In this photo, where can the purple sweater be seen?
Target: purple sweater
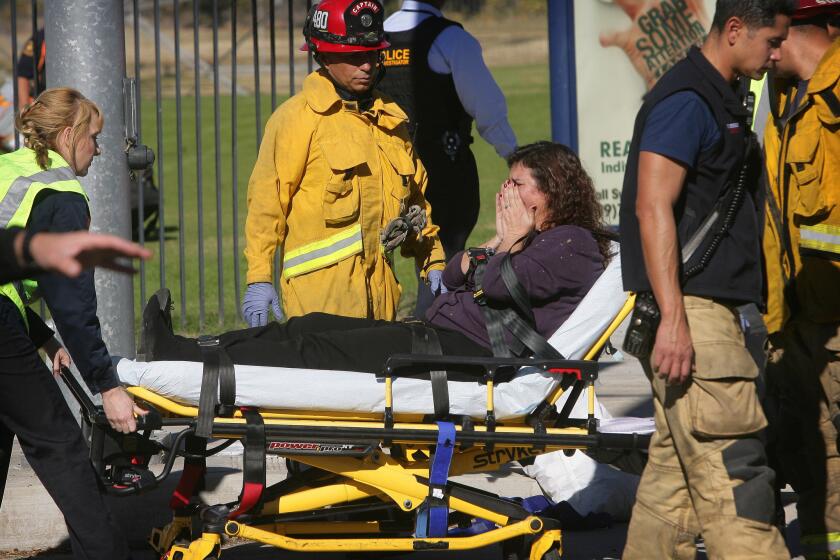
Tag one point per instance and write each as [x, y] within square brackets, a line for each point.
[556, 270]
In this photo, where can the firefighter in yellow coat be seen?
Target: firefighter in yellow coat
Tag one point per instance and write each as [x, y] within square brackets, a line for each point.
[337, 185]
[802, 255]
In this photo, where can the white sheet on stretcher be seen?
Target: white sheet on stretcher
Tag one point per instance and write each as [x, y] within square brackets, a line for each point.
[329, 390]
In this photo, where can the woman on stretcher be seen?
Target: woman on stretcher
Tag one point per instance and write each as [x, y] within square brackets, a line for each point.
[547, 218]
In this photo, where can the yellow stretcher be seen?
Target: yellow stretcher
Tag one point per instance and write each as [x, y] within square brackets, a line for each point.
[368, 484]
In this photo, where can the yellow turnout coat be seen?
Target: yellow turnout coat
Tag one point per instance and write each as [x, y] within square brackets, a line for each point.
[327, 180]
[802, 231]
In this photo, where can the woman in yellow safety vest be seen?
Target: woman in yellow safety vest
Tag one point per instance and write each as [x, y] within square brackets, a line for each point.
[39, 190]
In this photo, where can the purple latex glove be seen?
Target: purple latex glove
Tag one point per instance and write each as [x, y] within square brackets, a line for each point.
[258, 297]
[435, 278]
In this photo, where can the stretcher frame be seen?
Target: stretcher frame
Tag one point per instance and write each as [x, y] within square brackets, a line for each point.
[368, 472]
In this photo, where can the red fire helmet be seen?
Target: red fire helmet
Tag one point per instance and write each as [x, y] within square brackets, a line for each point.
[811, 8]
[345, 26]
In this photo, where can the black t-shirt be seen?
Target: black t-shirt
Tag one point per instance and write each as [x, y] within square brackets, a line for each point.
[32, 58]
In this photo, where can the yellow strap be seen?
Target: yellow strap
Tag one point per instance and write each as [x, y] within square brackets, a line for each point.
[317, 255]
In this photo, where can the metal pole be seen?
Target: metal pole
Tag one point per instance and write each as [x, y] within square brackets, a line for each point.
[87, 51]
[36, 52]
[15, 97]
[273, 36]
[141, 201]
[159, 160]
[257, 102]
[199, 175]
[291, 49]
[179, 139]
[309, 54]
[217, 144]
[234, 157]
[561, 58]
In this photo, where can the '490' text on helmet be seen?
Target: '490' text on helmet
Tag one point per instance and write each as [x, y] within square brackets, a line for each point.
[345, 26]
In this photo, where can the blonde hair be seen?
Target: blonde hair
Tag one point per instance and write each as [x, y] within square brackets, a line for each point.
[55, 109]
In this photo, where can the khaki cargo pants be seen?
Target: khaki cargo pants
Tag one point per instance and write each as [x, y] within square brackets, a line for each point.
[804, 377]
[707, 472]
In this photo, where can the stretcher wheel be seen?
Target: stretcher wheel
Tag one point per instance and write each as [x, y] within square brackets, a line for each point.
[519, 548]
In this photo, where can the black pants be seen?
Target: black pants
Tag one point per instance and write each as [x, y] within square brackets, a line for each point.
[33, 409]
[316, 341]
[454, 196]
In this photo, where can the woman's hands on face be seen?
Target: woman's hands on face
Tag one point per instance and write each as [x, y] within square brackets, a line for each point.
[514, 221]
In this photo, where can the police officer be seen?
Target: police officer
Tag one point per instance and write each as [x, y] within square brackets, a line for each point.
[691, 151]
[436, 73]
[337, 185]
[802, 256]
[39, 189]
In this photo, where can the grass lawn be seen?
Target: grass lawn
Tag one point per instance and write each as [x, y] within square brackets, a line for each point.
[526, 88]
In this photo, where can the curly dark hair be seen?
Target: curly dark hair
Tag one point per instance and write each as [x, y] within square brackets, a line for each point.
[559, 175]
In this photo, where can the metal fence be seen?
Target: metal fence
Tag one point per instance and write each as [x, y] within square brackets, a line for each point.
[207, 74]
[234, 89]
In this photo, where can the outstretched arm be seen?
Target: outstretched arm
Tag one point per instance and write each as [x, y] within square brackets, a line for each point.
[70, 253]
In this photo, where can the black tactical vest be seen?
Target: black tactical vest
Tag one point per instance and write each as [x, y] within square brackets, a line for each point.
[437, 119]
[735, 269]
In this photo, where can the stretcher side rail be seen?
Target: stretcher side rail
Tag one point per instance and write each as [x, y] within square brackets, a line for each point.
[491, 365]
[323, 431]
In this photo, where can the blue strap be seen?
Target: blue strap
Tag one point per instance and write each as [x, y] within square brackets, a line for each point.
[535, 504]
[433, 515]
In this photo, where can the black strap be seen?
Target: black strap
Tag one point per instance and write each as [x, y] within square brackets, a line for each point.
[424, 340]
[517, 292]
[832, 101]
[253, 464]
[227, 384]
[493, 321]
[526, 334]
[497, 320]
[419, 12]
[218, 385]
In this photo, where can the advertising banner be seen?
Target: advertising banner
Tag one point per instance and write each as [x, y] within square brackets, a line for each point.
[621, 48]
